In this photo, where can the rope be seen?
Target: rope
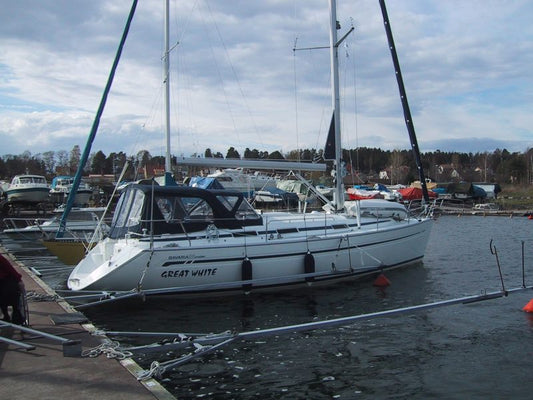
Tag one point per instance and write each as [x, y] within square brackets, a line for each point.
[155, 370]
[141, 279]
[158, 369]
[361, 252]
[35, 297]
[110, 348]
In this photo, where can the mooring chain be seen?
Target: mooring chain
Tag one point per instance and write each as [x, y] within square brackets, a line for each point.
[110, 348]
[34, 296]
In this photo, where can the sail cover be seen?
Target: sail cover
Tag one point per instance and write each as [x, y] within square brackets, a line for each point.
[329, 150]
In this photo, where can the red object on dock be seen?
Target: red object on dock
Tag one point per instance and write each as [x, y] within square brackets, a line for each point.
[529, 307]
[383, 281]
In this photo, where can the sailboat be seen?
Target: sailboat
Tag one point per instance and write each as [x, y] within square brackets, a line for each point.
[191, 241]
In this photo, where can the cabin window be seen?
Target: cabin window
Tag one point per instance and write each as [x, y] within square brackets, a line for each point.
[246, 211]
[176, 210]
[228, 201]
[197, 209]
[171, 209]
[136, 209]
[129, 209]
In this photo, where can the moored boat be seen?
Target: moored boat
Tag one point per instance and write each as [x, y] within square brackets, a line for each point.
[60, 189]
[177, 239]
[69, 251]
[214, 241]
[28, 189]
[82, 223]
[237, 179]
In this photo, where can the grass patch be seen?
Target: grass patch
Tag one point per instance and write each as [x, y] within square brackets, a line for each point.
[515, 197]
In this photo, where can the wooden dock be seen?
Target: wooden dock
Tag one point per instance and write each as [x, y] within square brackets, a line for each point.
[51, 372]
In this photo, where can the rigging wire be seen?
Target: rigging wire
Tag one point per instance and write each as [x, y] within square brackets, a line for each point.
[296, 97]
[176, 94]
[356, 119]
[236, 80]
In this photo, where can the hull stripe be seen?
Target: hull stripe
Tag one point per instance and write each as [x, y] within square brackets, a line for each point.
[337, 249]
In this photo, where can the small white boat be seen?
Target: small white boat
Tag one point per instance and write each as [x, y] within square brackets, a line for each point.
[60, 189]
[81, 223]
[237, 179]
[28, 189]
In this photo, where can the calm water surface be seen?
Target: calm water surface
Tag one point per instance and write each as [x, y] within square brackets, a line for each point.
[476, 351]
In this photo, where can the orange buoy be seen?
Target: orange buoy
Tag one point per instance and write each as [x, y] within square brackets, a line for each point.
[530, 216]
[529, 307]
[382, 281]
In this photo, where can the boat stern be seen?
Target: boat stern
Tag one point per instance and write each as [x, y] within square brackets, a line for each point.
[99, 269]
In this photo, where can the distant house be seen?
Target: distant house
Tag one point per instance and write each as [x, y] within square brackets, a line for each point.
[448, 172]
[397, 174]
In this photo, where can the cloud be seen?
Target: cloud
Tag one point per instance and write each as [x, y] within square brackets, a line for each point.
[237, 82]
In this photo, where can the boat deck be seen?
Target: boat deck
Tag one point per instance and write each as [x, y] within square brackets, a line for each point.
[45, 373]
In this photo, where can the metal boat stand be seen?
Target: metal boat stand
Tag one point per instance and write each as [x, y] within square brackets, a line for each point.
[71, 348]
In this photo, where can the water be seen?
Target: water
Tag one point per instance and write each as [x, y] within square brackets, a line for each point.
[475, 351]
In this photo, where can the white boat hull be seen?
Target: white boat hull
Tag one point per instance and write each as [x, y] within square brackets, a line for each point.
[82, 224]
[28, 189]
[82, 196]
[210, 265]
[27, 195]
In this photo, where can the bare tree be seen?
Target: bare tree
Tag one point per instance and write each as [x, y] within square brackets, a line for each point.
[62, 162]
[74, 160]
[49, 161]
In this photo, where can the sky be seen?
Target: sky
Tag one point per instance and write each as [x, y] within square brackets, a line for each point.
[236, 81]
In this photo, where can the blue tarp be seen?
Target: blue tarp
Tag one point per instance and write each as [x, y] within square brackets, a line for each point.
[362, 187]
[479, 193]
[440, 190]
[381, 187]
[205, 183]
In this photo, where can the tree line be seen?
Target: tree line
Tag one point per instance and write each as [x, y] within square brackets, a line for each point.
[365, 164]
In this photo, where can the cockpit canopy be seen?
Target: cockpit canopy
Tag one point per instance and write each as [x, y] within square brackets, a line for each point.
[179, 209]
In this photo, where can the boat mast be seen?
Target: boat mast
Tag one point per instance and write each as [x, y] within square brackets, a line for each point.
[96, 123]
[166, 80]
[405, 103]
[335, 100]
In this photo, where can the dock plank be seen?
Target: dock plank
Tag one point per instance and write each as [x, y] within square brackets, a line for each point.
[45, 373]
